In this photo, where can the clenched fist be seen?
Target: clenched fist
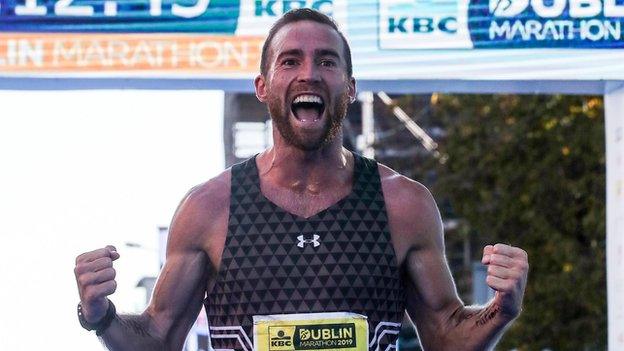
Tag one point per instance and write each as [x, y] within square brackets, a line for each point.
[507, 272]
[95, 276]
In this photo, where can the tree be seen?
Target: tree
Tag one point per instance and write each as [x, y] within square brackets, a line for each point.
[530, 171]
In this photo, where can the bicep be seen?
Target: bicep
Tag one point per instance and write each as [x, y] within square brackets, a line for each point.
[188, 269]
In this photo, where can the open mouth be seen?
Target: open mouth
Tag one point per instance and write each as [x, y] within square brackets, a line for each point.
[308, 107]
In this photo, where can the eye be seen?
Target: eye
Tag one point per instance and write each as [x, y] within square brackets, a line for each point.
[289, 62]
[328, 63]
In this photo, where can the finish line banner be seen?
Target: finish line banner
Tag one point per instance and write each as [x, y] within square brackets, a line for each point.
[390, 39]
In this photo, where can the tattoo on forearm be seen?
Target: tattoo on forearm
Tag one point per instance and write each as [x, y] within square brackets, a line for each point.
[462, 314]
[487, 315]
[133, 323]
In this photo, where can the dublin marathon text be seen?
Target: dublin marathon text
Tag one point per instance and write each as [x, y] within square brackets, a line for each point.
[531, 29]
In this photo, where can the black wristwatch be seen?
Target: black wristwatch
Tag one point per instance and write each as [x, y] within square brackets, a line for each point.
[101, 326]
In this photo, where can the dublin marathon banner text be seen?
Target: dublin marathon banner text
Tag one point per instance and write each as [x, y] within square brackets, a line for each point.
[223, 38]
[482, 24]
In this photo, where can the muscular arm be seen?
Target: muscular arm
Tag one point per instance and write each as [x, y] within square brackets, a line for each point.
[196, 235]
[173, 308]
[442, 320]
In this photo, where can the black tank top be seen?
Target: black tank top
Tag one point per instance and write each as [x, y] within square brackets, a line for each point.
[274, 262]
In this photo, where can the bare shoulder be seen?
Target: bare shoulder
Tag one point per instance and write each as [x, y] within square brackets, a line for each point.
[406, 199]
[210, 197]
[413, 214]
[200, 221]
[402, 190]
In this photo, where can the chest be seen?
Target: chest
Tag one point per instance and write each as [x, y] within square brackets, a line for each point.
[340, 259]
[304, 203]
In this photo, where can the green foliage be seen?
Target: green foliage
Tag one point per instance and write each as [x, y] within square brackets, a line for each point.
[530, 171]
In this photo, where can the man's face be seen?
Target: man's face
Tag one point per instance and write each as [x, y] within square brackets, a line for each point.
[306, 87]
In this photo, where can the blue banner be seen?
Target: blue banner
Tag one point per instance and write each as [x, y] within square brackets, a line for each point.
[120, 16]
[546, 23]
[485, 24]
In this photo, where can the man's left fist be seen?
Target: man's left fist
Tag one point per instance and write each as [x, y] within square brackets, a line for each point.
[507, 271]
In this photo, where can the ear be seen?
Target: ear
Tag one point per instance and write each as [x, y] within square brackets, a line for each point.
[352, 91]
[260, 85]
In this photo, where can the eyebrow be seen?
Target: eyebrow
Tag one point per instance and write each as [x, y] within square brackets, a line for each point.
[291, 52]
[326, 52]
[317, 52]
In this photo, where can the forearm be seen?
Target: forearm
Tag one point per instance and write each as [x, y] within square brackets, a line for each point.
[476, 328]
[133, 333]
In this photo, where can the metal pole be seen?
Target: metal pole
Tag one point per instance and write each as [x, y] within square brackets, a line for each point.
[367, 139]
[614, 135]
[414, 128]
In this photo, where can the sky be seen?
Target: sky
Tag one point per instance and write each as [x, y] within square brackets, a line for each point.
[80, 170]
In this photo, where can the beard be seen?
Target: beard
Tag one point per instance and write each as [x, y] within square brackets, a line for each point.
[334, 115]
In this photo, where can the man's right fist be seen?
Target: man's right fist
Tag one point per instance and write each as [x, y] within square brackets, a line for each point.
[95, 276]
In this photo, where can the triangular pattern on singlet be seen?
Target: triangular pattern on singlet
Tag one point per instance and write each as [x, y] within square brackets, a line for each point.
[263, 270]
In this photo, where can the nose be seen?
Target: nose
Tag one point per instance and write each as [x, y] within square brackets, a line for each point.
[309, 72]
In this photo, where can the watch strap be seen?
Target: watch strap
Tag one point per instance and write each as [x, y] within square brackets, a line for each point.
[101, 326]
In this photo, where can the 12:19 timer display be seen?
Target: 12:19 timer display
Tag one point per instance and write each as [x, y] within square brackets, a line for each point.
[217, 16]
[69, 8]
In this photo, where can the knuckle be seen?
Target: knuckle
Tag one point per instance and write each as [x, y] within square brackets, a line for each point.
[494, 271]
[498, 259]
[103, 262]
[109, 273]
[524, 266]
[82, 257]
[84, 279]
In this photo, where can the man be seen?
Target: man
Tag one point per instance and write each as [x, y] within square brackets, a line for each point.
[306, 246]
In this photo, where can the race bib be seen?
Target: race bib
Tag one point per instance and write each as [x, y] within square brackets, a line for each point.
[340, 331]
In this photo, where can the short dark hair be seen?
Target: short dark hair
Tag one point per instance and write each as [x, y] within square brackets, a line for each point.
[303, 14]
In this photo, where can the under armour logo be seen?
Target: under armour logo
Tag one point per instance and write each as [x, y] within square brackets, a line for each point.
[314, 241]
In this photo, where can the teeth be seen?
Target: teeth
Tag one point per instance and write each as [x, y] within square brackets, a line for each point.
[308, 98]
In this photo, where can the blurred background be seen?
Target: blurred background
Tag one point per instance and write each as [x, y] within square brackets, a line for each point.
[84, 169]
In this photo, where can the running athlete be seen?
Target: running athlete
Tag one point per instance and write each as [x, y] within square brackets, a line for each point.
[307, 245]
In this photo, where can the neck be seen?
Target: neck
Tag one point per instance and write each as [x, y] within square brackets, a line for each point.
[305, 170]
